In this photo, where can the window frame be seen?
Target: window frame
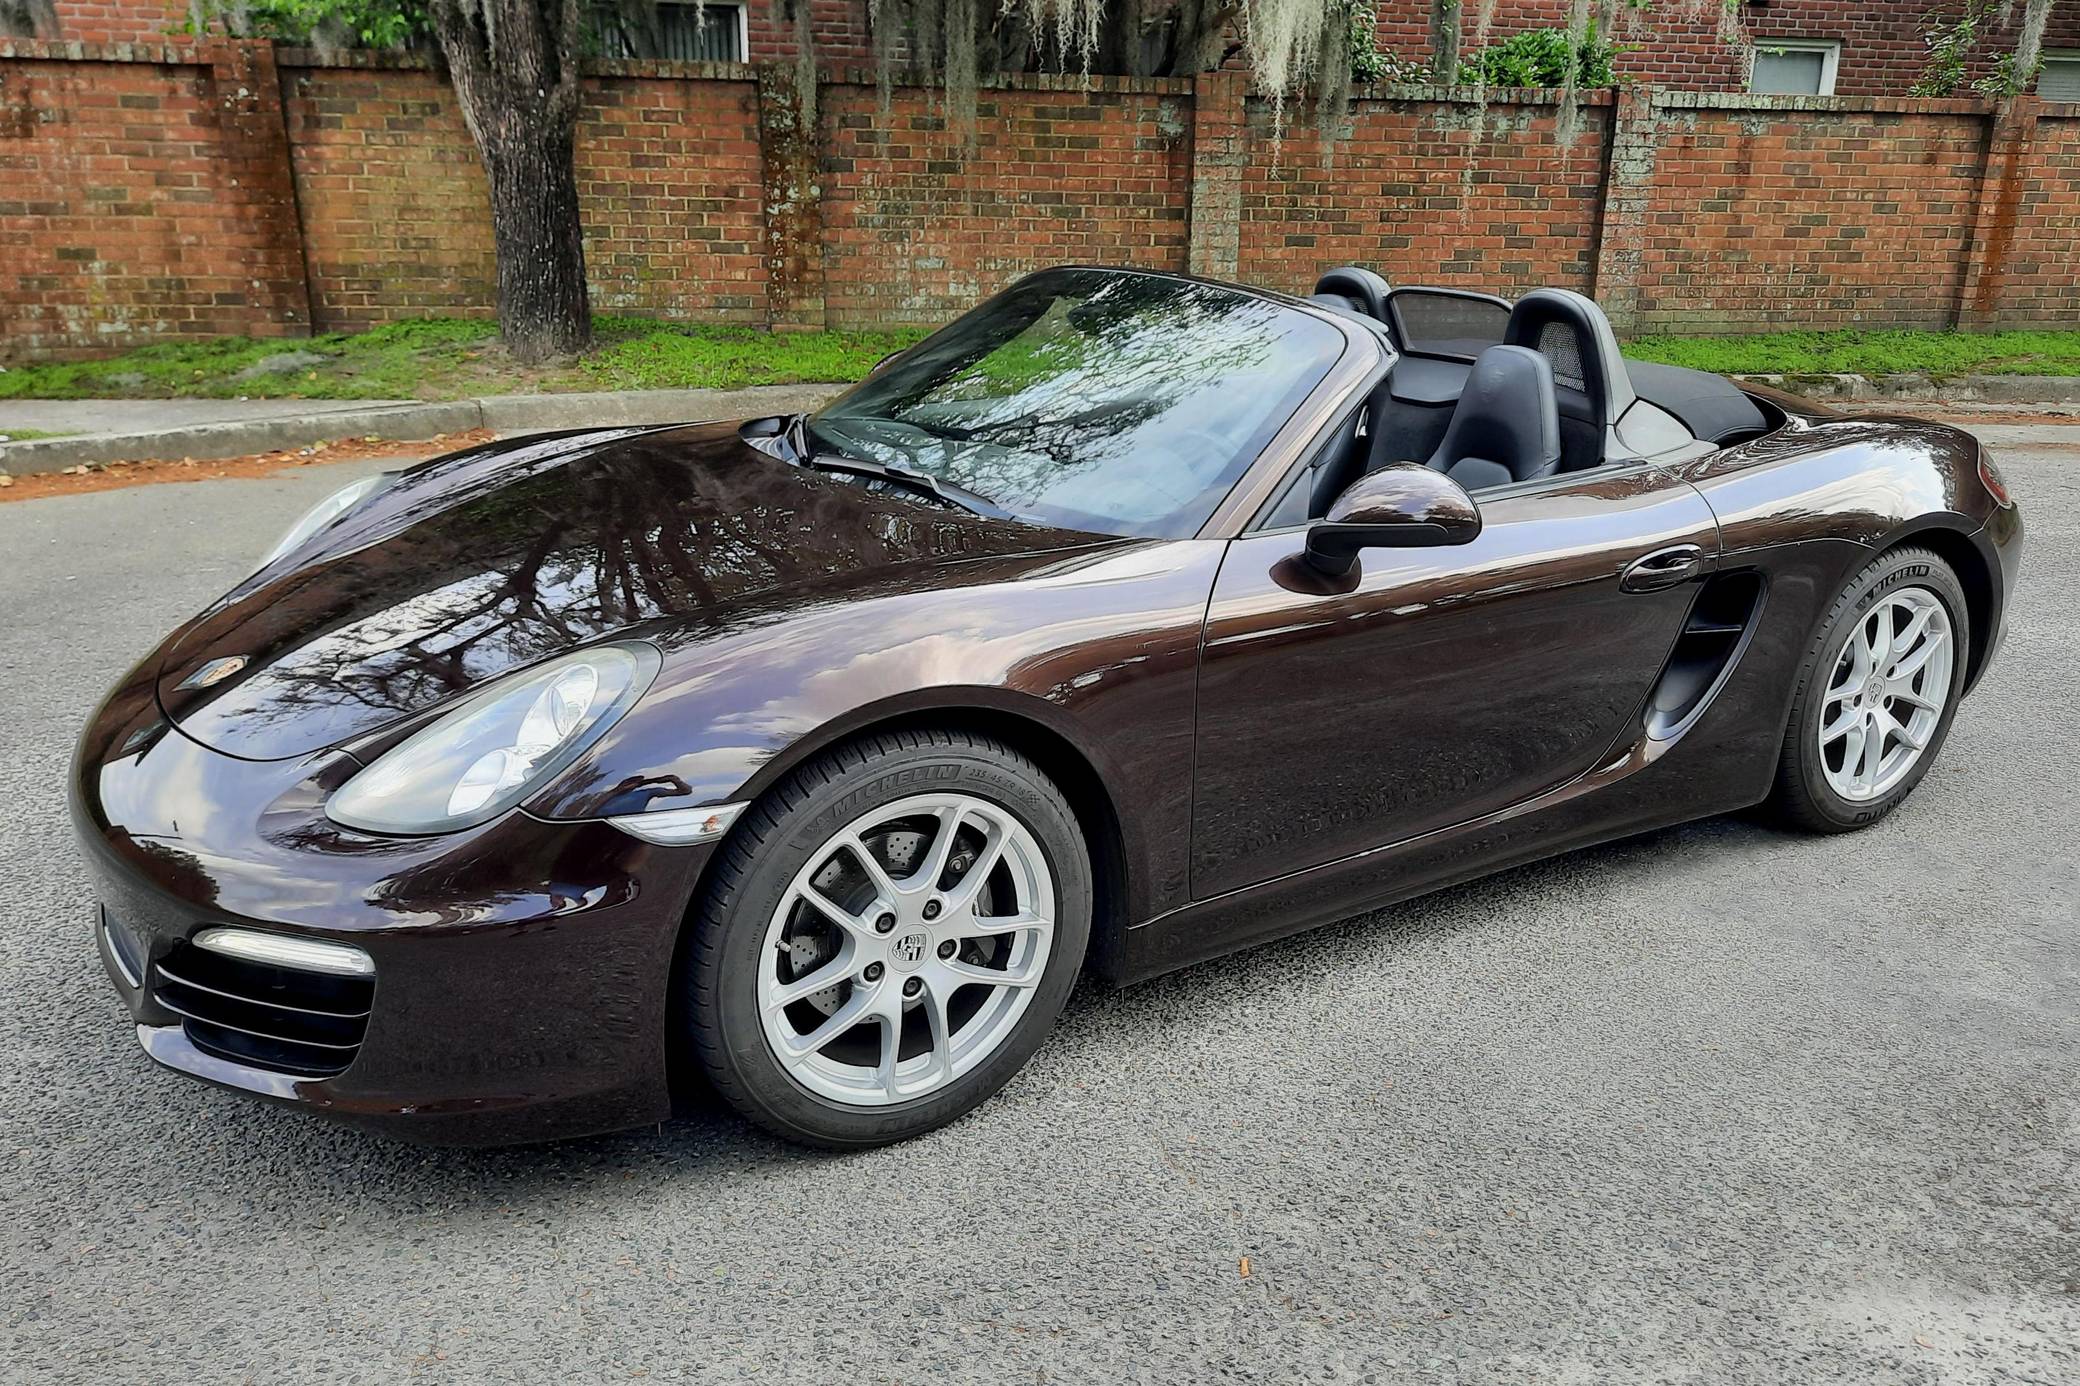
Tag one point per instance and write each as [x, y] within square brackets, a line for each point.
[743, 26]
[1830, 51]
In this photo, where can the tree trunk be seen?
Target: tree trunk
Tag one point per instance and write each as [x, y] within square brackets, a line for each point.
[28, 19]
[543, 311]
[1444, 40]
[519, 97]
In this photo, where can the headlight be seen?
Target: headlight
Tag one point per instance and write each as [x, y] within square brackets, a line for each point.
[324, 513]
[483, 757]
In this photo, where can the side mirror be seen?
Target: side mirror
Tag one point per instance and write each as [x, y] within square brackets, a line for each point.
[1403, 506]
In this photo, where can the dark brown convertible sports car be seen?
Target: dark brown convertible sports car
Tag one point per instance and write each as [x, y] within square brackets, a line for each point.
[1128, 620]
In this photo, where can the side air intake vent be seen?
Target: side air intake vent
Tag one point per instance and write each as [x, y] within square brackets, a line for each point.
[1716, 631]
[287, 1019]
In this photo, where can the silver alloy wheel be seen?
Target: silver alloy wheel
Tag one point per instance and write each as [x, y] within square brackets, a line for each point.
[905, 950]
[1886, 694]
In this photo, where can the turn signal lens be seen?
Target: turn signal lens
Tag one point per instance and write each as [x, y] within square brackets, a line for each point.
[680, 827]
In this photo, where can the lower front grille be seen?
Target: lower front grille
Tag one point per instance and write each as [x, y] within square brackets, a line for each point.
[308, 1024]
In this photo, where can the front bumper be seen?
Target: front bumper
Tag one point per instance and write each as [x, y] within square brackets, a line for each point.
[522, 969]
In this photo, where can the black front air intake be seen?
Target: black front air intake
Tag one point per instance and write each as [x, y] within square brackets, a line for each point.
[308, 1024]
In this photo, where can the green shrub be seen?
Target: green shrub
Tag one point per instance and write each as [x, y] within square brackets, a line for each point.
[1542, 58]
[320, 23]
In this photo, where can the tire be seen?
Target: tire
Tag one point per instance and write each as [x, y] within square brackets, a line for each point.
[1818, 788]
[790, 898]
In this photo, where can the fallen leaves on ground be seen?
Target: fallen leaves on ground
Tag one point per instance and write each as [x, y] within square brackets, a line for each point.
[111, 476]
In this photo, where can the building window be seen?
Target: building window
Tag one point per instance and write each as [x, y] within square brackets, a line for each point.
[2060, 79]
[702, 33]
[687, 33]
[1795, 67]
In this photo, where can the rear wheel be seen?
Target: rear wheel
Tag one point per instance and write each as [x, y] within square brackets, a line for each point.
[1876, 694]
[888, 936]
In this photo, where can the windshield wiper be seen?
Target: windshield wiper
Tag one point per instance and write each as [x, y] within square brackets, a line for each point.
[950, 492]
[798, 436]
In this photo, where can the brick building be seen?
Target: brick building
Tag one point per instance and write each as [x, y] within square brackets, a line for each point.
[748, 30]
[1803, 47]
[722, 30]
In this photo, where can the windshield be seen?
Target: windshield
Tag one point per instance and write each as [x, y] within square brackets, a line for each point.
[1091, 399]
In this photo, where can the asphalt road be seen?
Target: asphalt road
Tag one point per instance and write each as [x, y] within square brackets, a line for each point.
[1712, 1105]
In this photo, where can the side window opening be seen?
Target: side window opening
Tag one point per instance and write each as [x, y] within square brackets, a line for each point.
[1336, 462]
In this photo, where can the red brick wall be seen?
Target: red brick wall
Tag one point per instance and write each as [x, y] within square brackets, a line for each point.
[1764, 219]
[2038, 281]
[915, 230]
[119, 21]
[842, 34]
[669, 176]
[186, 192]
[397, 219]
[1398, 196]
[136, 204]
[398, 224]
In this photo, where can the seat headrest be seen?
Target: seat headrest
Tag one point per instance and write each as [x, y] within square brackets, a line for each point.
[1365, 289]
[1584, 333]
[1506, 425]
[1340, 302]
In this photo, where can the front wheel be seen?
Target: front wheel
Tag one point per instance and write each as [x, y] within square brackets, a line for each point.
[887, 937]
[1876, 694]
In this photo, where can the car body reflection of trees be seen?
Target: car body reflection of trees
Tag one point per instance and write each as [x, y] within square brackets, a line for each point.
[500, 576]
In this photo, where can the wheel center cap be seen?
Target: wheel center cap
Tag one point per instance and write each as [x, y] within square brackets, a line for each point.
[908, 952]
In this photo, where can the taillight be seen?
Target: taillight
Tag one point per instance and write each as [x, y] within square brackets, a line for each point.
[1991, 475]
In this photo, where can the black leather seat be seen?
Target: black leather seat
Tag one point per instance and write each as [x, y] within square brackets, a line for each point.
[1506, 425]
[1593, 387]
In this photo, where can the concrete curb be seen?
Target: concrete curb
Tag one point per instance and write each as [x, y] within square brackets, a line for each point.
[501, 413]
[1908, 387]
[237, 439]
[608, 409]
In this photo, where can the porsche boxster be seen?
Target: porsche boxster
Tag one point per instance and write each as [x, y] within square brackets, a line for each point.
[1128, 620]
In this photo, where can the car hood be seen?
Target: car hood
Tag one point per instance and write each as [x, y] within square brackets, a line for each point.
[477, 563]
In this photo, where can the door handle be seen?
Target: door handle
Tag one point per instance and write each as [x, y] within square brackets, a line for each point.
[1662, 568]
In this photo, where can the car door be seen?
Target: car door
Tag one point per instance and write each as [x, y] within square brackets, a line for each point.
[1439, 685]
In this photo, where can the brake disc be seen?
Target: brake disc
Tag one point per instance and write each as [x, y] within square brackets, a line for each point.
[897, 851]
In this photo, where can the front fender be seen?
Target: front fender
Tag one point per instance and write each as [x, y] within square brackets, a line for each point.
[1099, 647]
